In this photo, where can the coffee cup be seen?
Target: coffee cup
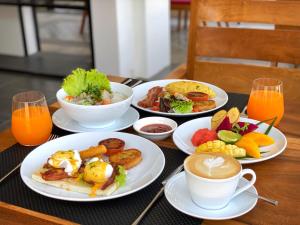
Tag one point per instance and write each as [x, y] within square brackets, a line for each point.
[212, 179]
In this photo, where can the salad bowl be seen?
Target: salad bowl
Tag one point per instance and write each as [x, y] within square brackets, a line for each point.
[97, 116]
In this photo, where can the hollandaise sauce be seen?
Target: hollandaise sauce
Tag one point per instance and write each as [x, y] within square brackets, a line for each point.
[69, 160]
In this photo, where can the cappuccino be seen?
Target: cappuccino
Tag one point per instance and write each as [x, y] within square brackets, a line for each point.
[212, 165]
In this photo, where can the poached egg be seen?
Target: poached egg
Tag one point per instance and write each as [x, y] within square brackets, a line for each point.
[69, 160]
[97, 171]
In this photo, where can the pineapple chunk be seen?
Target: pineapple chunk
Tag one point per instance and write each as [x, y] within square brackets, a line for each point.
[220, 146]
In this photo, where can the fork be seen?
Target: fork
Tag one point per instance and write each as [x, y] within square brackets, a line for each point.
[52, 137]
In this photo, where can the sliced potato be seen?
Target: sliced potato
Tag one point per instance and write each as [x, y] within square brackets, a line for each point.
[233, 115]
[217, 119]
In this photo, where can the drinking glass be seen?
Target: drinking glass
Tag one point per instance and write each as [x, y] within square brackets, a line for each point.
[266, 100]
[30, 122]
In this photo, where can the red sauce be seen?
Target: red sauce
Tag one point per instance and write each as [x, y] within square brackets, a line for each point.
[156, 128]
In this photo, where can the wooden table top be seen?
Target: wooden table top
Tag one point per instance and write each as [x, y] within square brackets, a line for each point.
[278, 178]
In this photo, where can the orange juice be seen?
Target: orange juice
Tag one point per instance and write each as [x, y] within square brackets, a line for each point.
[31, 125]
[265, 104]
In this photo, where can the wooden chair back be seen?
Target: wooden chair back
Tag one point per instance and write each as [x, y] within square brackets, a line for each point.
[279, 45]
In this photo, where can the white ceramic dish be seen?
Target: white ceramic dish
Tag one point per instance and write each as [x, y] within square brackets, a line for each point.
[141, 91]
[177, 194]
[183, 134]
[154, 120]
[137, 178]
[63, 121]
[97, 116]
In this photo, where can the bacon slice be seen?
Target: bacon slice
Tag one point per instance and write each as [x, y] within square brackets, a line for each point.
[151, 97]
[54, 174]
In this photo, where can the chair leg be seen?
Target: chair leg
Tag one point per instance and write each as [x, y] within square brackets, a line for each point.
[179, 20]
[84, 15]
[186, 14]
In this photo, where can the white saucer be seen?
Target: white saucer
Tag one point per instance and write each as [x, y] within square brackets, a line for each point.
[61, 120]
[177, 194]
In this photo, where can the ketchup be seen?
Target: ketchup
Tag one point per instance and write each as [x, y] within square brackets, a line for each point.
[156, 128]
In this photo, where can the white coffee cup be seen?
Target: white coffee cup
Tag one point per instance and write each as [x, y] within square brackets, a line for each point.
[215, 193]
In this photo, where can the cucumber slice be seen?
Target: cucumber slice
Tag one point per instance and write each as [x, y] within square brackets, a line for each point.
[228, 136]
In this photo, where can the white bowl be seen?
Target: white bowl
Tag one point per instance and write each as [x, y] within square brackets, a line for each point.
[97, 116]
[154, 120]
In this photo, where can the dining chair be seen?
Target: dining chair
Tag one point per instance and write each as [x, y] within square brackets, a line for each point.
[211, 50]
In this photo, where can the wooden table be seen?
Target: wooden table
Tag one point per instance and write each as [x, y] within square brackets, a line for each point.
[278, 178]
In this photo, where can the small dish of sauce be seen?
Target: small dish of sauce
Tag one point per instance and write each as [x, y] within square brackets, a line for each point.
[156, 128]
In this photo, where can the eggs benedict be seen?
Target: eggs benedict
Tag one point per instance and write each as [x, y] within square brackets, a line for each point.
[93, 176]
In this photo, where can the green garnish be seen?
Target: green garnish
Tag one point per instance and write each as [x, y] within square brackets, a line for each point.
[121, 177]
[181, 106]
[83, 81]
[94, 92]
[236, 128]
[270, 126]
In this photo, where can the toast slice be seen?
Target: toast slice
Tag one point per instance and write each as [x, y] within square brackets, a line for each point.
[75, 185]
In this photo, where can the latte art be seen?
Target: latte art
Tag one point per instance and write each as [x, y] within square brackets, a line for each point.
[213, 165]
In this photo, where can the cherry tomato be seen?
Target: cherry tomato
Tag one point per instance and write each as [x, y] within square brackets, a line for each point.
[197, 96]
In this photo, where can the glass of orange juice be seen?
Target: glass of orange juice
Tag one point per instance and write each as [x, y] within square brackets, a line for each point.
[31, 122]
[266, 100]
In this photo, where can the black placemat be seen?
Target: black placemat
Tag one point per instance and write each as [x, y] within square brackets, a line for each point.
[118, 211]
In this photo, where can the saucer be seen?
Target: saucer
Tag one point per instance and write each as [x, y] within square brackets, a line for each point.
[178, 196]
[63, 121]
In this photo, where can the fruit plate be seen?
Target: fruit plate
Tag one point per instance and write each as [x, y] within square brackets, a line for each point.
[183, 135]
[140, 91]
[137, 178]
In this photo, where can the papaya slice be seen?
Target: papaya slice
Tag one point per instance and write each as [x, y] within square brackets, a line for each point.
[250, 146]
[260, 139]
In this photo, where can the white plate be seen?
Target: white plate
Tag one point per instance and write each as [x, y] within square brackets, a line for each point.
[137, 178]
[177, 194]
[63, 121]
[140, 91]
[183, 135]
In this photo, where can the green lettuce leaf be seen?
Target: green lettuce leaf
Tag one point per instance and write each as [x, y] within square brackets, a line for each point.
[80, 81]
[121, 177]
[181, 106]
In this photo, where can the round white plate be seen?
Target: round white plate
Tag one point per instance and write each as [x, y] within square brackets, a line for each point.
[63, 121]
[177, 194]
[183, 135]
[140, 92]
[137, 178]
